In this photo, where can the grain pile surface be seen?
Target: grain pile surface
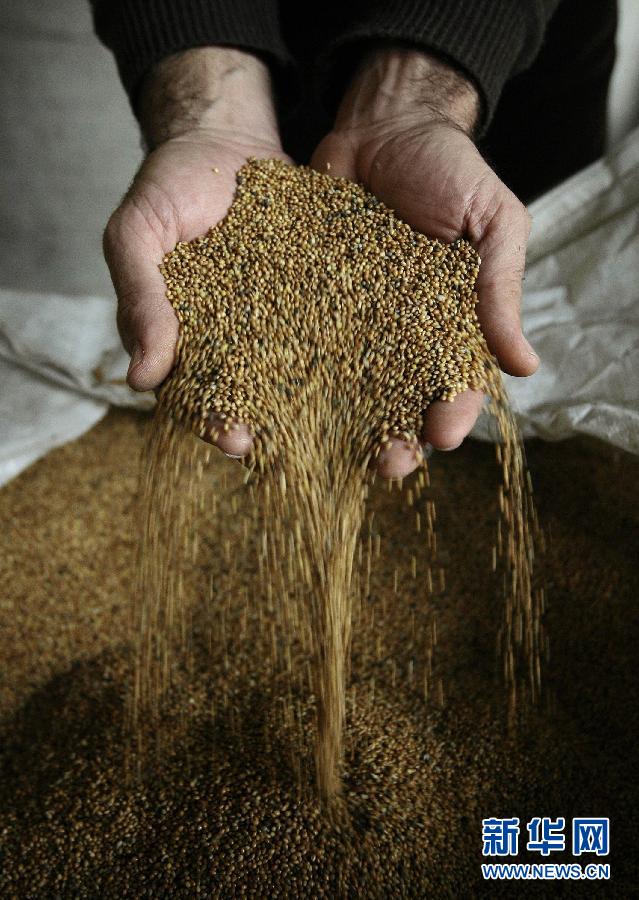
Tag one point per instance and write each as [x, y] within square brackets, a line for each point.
[318, 318]
[421, 775]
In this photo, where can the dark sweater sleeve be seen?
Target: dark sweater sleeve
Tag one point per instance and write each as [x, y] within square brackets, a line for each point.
[142, 32]
[487, 40]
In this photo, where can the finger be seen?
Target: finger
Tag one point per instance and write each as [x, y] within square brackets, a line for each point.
[236, 442]
[397, 458]
[146, 320]
[501, 236]
[447, 423]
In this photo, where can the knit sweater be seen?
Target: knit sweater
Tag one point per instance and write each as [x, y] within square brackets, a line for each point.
[487, 40]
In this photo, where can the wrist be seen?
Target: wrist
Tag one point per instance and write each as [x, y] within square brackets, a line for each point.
[208, 90]
[399, 83]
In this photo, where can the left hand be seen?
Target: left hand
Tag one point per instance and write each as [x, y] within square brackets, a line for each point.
[204, 112]
[403, 131]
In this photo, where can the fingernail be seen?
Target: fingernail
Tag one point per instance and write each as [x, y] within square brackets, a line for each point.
[450, 449]
[136, 357]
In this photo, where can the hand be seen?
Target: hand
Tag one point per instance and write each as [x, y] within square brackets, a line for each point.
[403, 131]
[203, 113]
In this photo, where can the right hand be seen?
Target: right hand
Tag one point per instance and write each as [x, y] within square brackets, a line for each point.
[177, 195]
[403, 131]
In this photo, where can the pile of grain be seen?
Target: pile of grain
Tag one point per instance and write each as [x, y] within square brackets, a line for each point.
[212, 821]
[317, 317]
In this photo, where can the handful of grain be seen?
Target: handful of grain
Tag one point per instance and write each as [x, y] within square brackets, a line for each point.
[311, 283]
[317, 317]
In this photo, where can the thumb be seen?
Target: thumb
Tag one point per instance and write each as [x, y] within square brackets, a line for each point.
[146, 321]
[500, 233]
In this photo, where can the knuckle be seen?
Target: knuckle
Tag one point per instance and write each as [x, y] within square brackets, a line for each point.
[126, 305]
[123, 231]
[140, 220]
[152, 212]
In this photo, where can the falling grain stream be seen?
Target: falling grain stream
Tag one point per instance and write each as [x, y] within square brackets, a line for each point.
[327, 325]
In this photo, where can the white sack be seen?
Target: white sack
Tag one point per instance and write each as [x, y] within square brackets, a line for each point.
[581, 307]
[61, 365]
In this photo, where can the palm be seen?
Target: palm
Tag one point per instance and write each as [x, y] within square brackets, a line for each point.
[187, 185]
[183, 188]
[426, 177]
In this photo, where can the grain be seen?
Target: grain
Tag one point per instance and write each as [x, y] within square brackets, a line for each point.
[326, 324]
[212, 821]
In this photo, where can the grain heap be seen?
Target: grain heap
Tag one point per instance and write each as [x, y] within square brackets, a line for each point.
[215, 821]
[326, 324]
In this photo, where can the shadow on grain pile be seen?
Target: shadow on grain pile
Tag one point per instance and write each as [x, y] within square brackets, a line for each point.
[211, 820]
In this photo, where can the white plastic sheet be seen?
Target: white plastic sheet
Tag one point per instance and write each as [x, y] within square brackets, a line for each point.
[581, 306]
[61, 365]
